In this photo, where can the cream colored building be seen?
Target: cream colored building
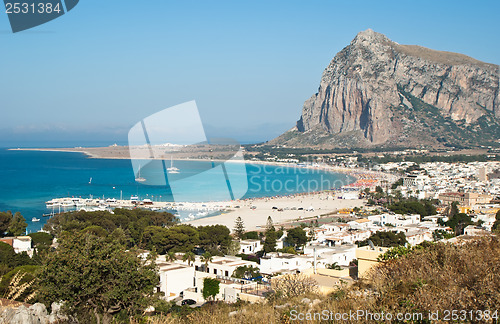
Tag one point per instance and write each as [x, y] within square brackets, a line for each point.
[367, 258]
[464, 198]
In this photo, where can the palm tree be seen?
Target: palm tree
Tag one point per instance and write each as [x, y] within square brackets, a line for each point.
[170, 256]
[206, 258]
[333, 266]
[189, 257]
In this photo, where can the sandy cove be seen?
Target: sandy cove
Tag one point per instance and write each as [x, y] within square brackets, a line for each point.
[254, 219]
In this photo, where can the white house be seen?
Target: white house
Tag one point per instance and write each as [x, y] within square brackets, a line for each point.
[276, 262]
[394, 219]
[174, 278]
[19, 243]
[348, 237]
[360, 224]
[223, 266]
[342, 255]
[250, 246]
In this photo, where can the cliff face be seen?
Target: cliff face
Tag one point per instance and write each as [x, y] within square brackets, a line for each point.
[376, 92]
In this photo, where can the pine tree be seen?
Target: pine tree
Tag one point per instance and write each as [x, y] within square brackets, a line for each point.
[270, 241]
[239, 227]
[270, 224]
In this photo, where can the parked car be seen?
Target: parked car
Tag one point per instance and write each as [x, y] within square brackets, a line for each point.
[188, 302]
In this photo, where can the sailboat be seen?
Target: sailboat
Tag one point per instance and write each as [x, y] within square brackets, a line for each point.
[139, 178]
[90, 181]
[172, 169]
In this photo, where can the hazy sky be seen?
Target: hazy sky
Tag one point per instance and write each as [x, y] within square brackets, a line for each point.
[93, 73]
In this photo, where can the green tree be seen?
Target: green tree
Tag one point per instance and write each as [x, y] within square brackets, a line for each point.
[453, 209]
[17, 225]
[234, 248]
[206, 258]
[41, 239]
[458, 222]
[246, 272]
[215, 239]
[95, 230]
[333, 266]
[296, 237]
[270, 240]
[496, 224]
[239, 227]
[398, 183]
[386, 239]
[211, 288]
[269, 224]
[251, 236]
[189, 257]
[170, 256]
[97, 278]
[5, 219]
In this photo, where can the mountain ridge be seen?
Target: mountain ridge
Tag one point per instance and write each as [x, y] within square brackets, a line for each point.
[363, 98]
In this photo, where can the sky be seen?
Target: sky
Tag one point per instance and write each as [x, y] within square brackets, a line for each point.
[87, 77]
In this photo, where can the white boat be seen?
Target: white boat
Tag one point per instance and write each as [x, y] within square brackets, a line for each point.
[172, 169]
[34, 219]
[139, 178]
[90, 181]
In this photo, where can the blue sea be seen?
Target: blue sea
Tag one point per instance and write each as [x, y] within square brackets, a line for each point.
[30, 178]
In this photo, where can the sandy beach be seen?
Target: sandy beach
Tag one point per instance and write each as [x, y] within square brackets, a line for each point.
[312, 205]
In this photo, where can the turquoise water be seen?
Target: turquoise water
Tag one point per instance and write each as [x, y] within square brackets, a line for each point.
[28, 179]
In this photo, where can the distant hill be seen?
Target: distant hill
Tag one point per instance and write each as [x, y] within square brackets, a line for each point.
[378, 93]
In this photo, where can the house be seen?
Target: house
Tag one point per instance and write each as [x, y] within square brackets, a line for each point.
[230, 289]
[367, 258]
[19, 243]
[464, 198]
[174, 278]
[360, 224]
[347, 237]
[341, 255]
[277, 262]
[472, 230]
[394, 219]
[250, 246]
[222, 266]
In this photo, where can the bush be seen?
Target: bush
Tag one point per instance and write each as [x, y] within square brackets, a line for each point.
[293, 285]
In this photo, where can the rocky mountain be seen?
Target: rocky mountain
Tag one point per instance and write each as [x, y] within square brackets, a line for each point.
[376, 92]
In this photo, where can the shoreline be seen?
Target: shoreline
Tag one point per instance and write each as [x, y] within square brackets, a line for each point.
[254, 211]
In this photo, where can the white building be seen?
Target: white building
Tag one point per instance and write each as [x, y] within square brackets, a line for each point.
[223, 266]
[19, 243]
[277, 262]
[394, 219]
[250, 246]
[174, 278]
[342, 255]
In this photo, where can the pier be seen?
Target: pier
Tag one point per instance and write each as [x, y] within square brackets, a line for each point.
[59, 205]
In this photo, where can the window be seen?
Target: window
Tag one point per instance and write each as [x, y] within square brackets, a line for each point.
[227, 273]
[215, 271]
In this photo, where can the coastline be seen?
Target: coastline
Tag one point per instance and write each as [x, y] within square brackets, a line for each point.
[254, 211]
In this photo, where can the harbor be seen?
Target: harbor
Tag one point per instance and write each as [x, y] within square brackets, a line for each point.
[185, 210]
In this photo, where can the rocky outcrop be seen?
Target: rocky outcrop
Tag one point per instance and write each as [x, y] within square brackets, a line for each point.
[32, 314]
[364, 87]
